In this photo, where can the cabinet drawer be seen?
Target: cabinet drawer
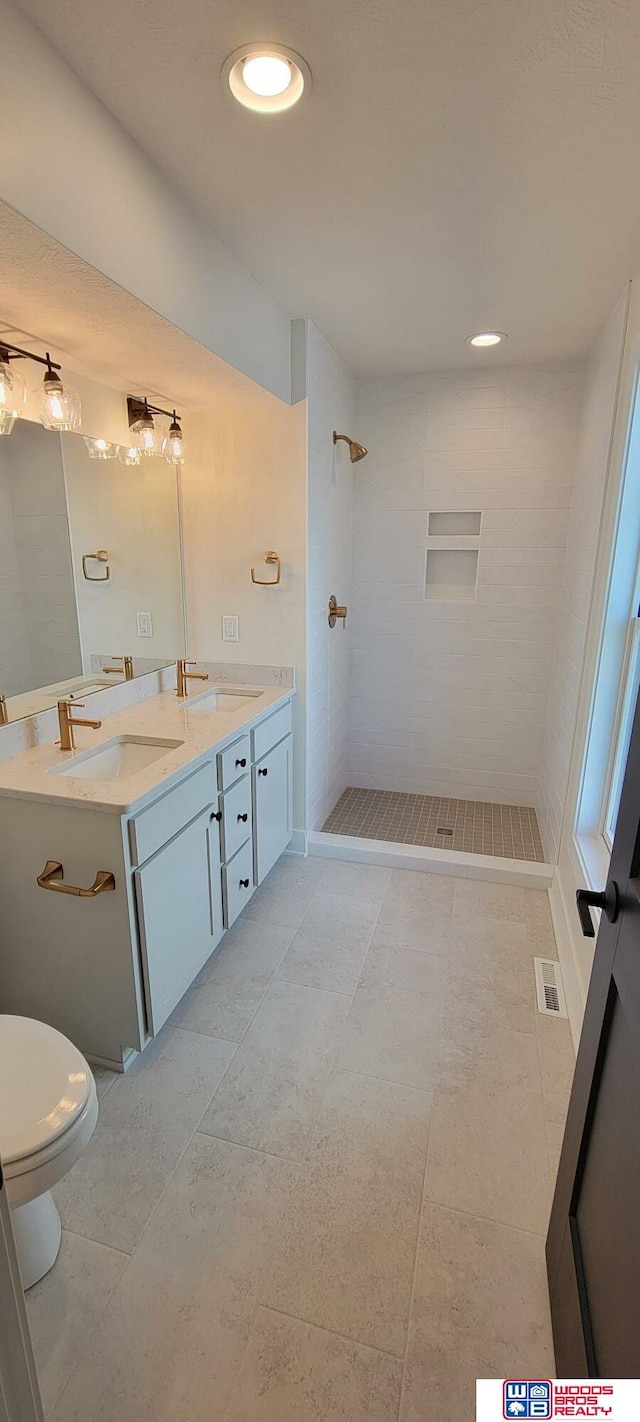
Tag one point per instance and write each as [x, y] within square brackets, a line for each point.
[237, 883]
[153, 827]
[269, 732]
[236, 817]
[233, 762]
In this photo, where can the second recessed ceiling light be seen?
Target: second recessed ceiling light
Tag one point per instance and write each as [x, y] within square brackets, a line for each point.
[486, 338]
[266, 78]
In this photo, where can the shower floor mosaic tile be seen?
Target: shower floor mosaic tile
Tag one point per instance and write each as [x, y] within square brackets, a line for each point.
[473, 826]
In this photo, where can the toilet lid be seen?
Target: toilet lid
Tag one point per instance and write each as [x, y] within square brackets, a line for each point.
[44, 1084]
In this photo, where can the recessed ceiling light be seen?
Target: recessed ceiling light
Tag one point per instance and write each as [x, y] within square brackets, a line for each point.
[486, 338]
[266, 78]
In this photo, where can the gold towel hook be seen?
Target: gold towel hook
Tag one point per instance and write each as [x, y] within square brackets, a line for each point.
[270, 557]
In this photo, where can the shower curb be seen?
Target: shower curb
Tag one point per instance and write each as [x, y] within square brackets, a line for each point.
[525, 873]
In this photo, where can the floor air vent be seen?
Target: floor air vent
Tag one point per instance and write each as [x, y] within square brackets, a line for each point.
[549, 989]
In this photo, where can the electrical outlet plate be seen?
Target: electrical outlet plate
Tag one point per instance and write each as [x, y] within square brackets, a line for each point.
[145, 624]
[230, 629]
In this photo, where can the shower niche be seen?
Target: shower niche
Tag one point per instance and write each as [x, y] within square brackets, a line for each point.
[453, 545]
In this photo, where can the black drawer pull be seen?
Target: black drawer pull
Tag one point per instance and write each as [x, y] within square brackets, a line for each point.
[244, 883]
[263, 772]
[216, 815]
[242, 763]
[244, 818]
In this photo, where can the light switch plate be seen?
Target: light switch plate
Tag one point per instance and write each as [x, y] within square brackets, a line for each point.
[230, 629]
[145, 624]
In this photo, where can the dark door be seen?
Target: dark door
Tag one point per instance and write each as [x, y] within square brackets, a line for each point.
[593, 1245]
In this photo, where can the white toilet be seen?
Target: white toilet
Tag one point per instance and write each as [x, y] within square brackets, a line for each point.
[48, 1113]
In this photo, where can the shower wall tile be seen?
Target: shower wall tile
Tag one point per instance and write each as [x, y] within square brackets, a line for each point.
[451, 698]
[331, 405]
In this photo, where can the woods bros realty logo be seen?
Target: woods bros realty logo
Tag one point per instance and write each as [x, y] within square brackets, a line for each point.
[525, 1399]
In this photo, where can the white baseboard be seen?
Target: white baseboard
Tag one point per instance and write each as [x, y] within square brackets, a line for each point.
[567, 957]
[298, 843]
[430, 861]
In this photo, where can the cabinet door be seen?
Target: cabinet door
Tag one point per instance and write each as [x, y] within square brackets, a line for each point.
[179, 915]
[272, 814]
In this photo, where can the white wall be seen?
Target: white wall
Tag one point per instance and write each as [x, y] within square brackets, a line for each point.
[600, 389]
[331, 405]
[243, 493]
[99, 195]
[449, 697]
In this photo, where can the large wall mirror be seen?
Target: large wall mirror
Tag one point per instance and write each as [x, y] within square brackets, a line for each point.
[66, 615]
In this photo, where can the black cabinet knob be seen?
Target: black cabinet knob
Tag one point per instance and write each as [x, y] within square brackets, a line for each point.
[244, 883]
[216, 815]
[263, 772]
[244, 818]
[242, 762]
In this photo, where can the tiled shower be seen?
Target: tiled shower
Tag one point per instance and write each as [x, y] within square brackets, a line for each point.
[460, 514]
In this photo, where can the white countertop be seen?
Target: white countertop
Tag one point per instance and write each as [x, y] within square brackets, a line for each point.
[162, 717]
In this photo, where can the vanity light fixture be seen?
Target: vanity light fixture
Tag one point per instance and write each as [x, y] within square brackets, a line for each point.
[267, 78]
[101, 448]
[141, 421]
[174, 446]
[13, 393]
[58, 404]
[486, 338]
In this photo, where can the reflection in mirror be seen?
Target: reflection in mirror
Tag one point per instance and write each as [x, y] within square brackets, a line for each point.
[72, 622]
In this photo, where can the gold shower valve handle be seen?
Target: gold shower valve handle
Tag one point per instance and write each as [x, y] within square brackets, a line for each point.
[336, 610]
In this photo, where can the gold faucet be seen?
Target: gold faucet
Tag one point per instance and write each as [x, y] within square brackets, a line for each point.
[183, 676]
[4, 714]
[127, 668]
[67, 722]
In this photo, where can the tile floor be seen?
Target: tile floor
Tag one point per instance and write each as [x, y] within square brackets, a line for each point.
[474, 826]
[310, 1200]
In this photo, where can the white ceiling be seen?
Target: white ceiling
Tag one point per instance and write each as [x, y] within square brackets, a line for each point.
[459, 164]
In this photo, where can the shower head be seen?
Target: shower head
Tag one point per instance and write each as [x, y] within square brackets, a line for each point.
[356, 451]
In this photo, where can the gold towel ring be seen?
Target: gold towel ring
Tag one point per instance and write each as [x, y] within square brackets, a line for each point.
[268, 582]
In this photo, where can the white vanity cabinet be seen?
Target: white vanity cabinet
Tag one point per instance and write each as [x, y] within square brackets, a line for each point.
[108, 970]
[179, 915]
[272, 807]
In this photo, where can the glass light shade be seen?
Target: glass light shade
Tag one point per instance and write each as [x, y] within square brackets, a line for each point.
[174, 446]
[7, 421]
[130, 454]
[267, 75]
[101, 449]
[148, 438]
[13, 394]
[58, 405]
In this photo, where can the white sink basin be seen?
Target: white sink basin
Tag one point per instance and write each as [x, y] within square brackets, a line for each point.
[117, 760]
[81, 688]
[218, 699]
